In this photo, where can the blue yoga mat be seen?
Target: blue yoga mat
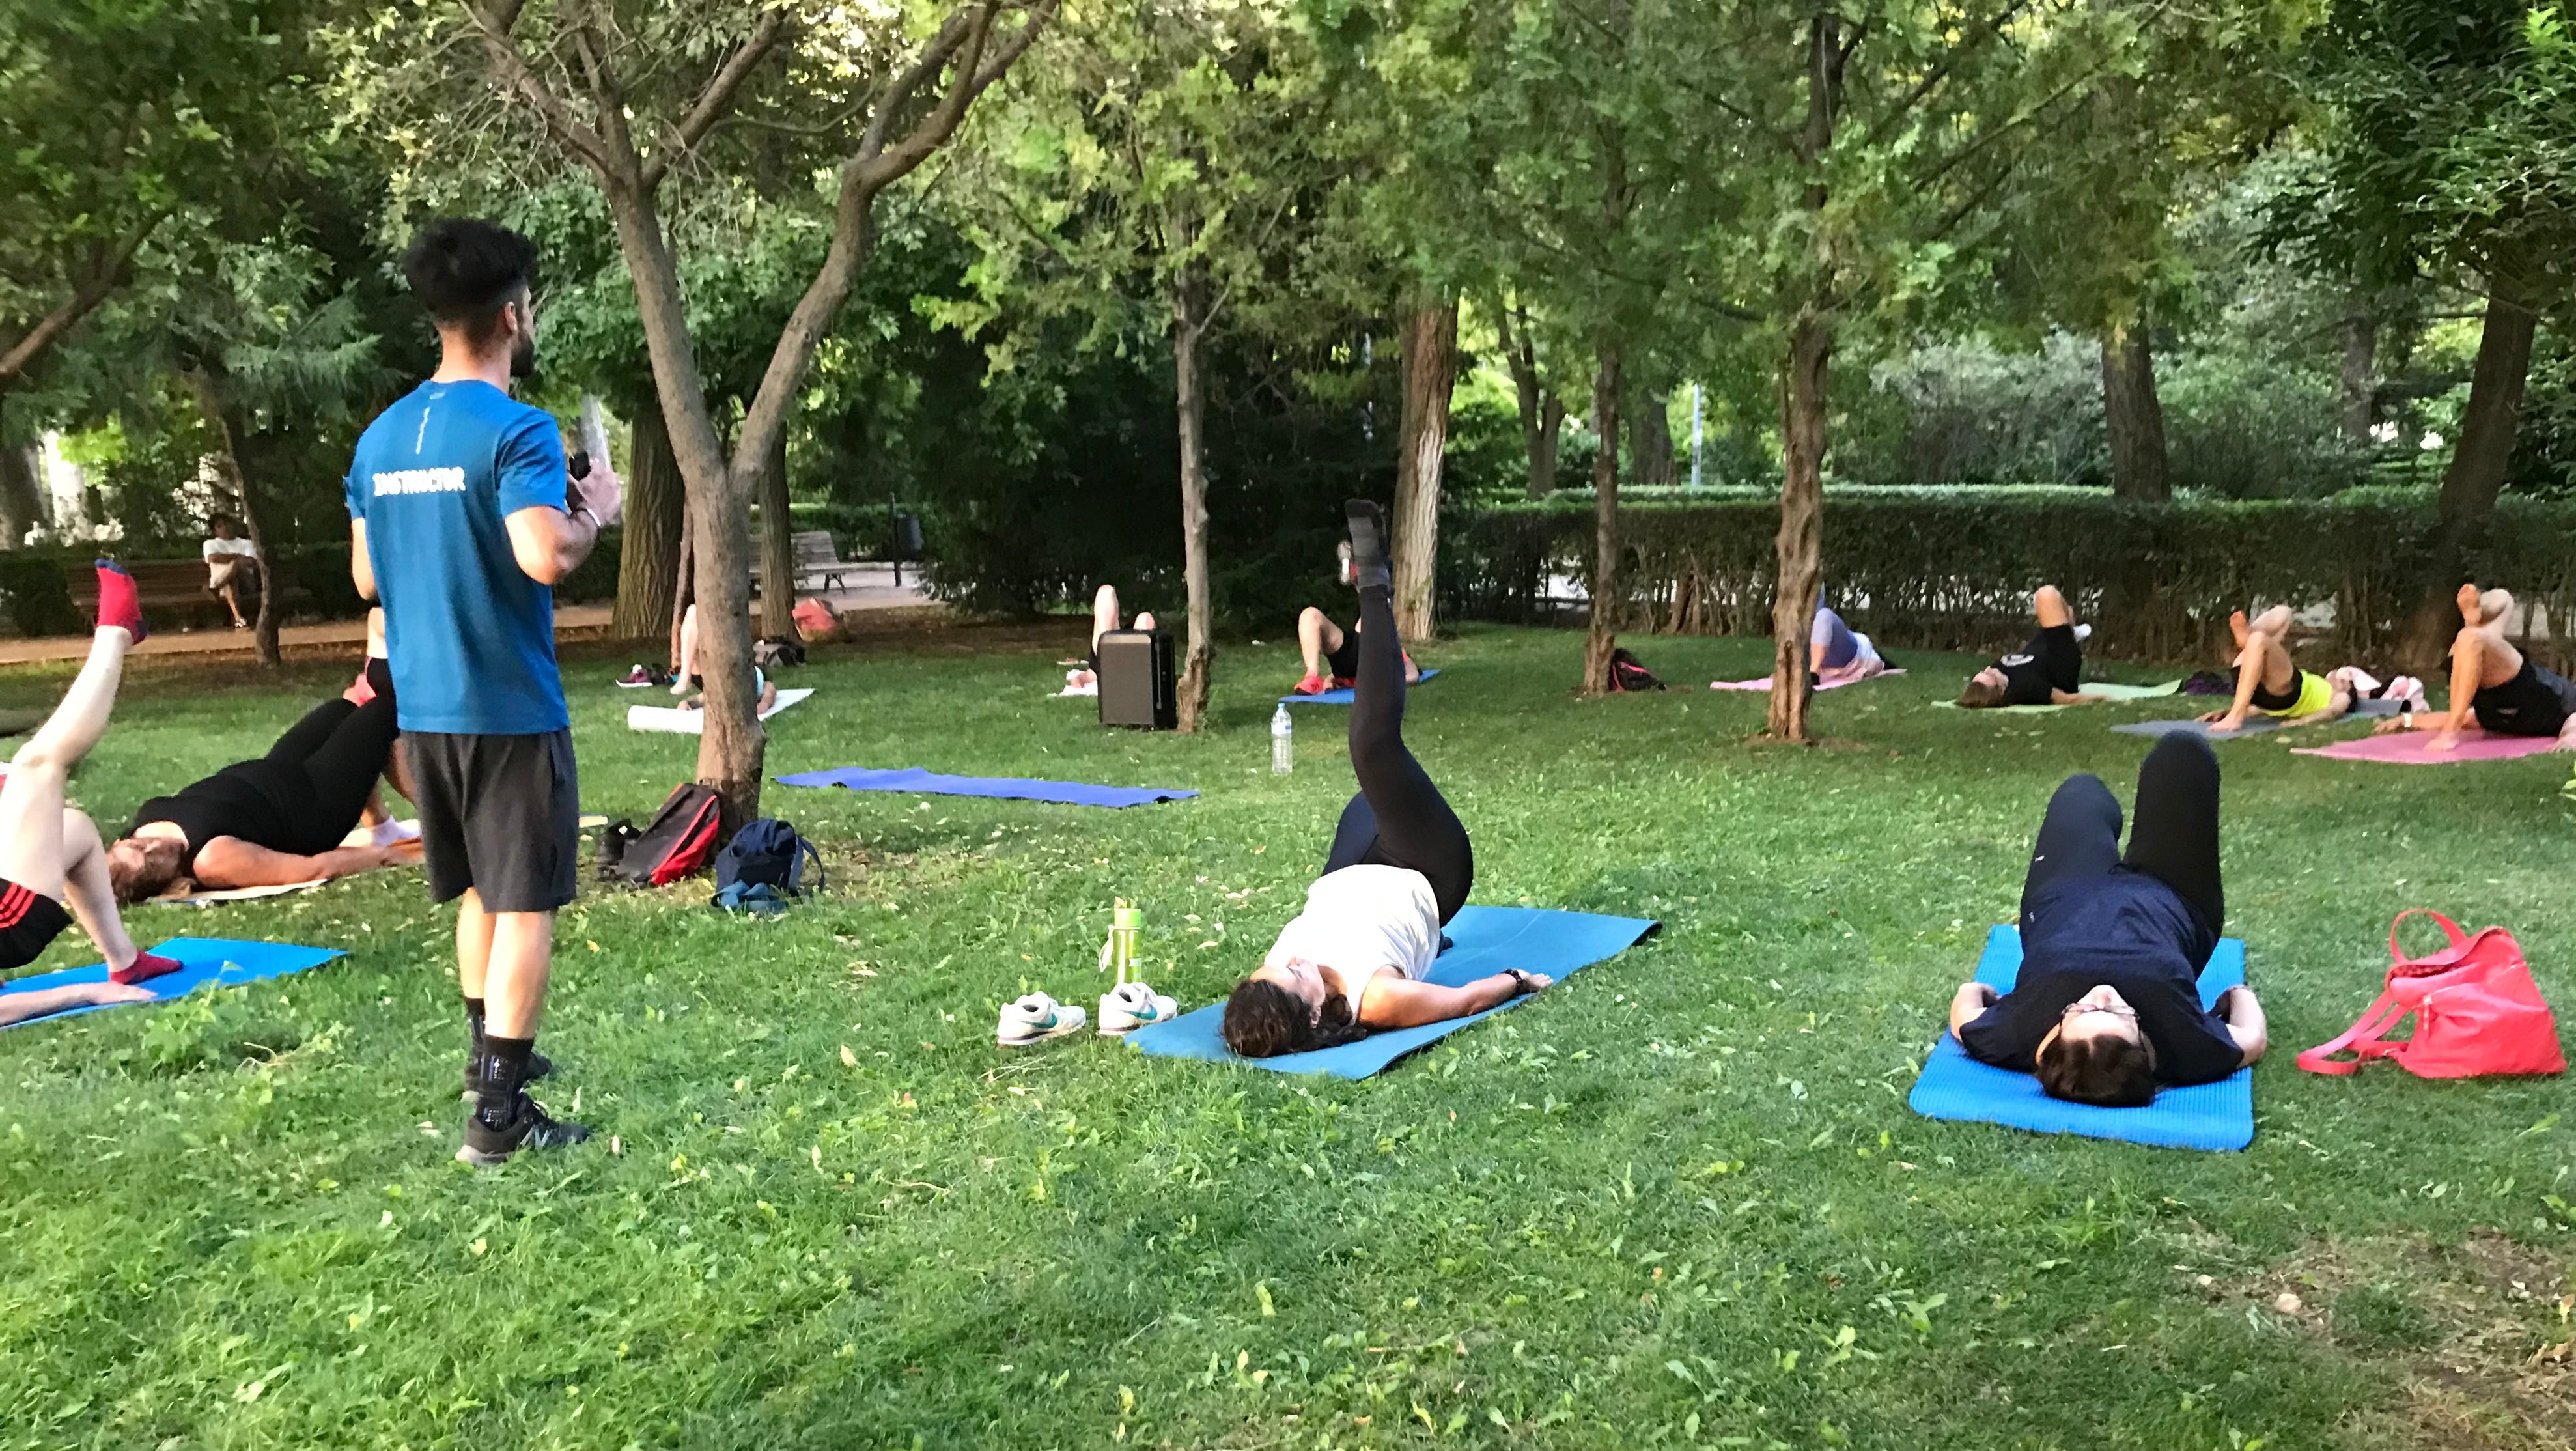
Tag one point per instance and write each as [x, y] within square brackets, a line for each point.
[1339, 697]
[2204, 1116]
[2255, 725]
[917, 782]
[1483, 941]
[217, 960]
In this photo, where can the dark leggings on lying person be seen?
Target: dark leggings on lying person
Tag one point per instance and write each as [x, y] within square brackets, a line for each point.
[2175, 839]
[1399, 818]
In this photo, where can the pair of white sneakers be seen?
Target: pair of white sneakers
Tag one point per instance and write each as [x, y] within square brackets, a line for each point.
[1123, 1009]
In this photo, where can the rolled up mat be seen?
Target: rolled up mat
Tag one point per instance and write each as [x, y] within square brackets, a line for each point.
[1483, 941]
[2217, 1116]
[220, 961]
[2407, 749]
[917, 782]
[1342, 696]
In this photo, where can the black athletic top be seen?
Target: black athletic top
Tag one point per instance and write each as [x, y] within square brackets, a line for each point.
[253, 800]
[2053, 660]
[2129, 930]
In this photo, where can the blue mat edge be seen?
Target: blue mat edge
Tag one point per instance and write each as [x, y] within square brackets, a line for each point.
[1999, 965]
[1143, 795]
[1345, 695]
[192, 950]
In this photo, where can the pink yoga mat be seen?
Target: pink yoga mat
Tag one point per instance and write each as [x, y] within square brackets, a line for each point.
[2408, 749]
[1764, 683]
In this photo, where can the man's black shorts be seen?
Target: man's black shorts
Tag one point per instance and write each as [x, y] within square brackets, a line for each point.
[29, 922]
[1344, 661]
[2535, 702]
[499, 814]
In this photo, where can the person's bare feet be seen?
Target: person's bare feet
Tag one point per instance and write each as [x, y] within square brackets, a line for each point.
[2470, 611]
[2237, 626]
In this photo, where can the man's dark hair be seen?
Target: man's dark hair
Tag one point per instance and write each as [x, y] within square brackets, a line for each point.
[2105, 1072]
[465, 271]
[1264, 1020]
[1982, 695]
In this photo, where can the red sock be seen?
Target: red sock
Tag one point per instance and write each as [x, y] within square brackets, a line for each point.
[144, 968]
[117, 603]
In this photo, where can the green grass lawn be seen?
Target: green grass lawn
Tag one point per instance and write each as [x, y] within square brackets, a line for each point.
[1678, 1200]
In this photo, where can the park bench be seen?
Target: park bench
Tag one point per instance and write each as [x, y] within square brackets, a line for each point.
[818, 561]
[173, 590]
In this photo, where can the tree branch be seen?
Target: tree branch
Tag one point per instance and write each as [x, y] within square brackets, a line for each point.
[106, 272]
[1978, 143]
[513, 71]
[718, 97]
[1939, 73]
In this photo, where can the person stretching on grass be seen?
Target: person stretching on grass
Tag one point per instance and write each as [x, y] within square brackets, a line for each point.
[50, 855]
[1324, 643]
[2267, 680]
[462, 516]
[1838, 654]
[1399, 869]
[2047, 671]
[1085, 679]
[2494, 684]
[2107, 1006]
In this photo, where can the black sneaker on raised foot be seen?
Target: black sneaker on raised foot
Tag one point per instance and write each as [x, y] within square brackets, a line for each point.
[1368, 567]
[530, 1127]
[539, 1065]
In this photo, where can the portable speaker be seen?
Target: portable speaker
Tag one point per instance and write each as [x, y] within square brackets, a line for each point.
[1136, 678]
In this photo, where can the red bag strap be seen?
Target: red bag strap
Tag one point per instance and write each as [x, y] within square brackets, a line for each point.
[2363, 1037]
[2398, 954]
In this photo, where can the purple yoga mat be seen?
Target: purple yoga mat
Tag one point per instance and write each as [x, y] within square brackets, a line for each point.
[1764, 684]
[2408, 749]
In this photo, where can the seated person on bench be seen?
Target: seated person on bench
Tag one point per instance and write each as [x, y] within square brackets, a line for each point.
[2047, 671]
[1104, 618]
[687, 682]
[50, 855]
[1324, 643]
[2267, 680]
[2495, 684]
[1399, 869]
[277, 820]
[1837, 653]
[2107, 1007]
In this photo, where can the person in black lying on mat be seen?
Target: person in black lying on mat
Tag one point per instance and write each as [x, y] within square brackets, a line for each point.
[276, 820]
[2107, 1007]
[1399, 869]
[2494, 684]
[2047, 671]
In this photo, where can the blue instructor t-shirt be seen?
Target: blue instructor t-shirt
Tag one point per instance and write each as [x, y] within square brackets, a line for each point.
[471, 636]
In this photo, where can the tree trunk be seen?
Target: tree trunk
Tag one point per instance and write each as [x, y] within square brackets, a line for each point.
[1542, 416]
[648, 561]
[2466, 508]
[1603, 637]
[2359, 393]
[1801, 570]
[1189, 322]
[777, 549]
[21, 501]
[2135, 417]
[1650, 440]
[228, 462]
[1430, 372]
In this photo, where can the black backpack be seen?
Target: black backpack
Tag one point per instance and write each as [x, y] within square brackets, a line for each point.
[674, 844]
[1627, 674]
[768, 852]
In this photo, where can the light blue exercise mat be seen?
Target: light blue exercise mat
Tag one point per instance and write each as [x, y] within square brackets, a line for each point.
[1483, 941]
[217, 960]
[2204, 1116]
[913, 781]
[2109, 690]
[2255, 725]
[1343, 696]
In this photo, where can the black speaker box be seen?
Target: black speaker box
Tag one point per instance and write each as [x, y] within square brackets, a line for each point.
[1136, 680]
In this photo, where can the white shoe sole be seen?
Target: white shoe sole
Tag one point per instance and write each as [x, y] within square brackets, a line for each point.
[1059, 1031]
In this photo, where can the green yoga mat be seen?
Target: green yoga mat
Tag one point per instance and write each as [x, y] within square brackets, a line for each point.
[2108, 689]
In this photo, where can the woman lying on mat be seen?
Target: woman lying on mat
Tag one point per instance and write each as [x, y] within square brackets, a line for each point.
[2107, 1006]
[2047, 671]
[1837, 653]
[686, 681]
[280, 819]
[2268, 681]
[1324, 643]
[1399, 870]
[50, 855]
[2495, 684]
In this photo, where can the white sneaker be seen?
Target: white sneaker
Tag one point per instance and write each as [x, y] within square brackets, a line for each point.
[1132, 1005]
[2084, 632]
[1034, 1019]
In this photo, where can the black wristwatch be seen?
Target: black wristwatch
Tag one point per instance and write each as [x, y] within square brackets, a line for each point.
[1520, 980]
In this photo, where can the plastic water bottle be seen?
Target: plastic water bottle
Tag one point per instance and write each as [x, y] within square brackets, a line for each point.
[1283, 753]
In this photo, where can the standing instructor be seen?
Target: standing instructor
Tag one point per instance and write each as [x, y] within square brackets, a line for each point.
[462, 518]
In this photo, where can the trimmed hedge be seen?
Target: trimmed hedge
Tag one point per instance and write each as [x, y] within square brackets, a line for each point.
[1953, 568]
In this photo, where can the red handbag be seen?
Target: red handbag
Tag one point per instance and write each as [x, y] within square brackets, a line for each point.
[2476, 1009]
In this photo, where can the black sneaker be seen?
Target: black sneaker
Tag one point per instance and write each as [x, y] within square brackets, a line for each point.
[539, 1065]
[1368, 545]
[530, 1127]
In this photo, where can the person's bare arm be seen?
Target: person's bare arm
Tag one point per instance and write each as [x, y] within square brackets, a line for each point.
[1968, 1004]
[2243, 1014]
[19, 1007]
[2073, 697]
[228, 862]
[362, 570]
[1392, 1001]
[550, 544]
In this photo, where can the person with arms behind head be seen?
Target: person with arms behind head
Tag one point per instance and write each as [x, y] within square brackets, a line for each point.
[462, 519]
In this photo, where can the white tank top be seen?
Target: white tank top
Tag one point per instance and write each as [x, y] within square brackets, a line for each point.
[1360, 921]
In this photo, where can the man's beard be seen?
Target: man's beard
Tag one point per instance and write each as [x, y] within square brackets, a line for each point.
[523, 357]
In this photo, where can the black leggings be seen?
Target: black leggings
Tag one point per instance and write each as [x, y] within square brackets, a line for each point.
[1399, 819]
[2175, 841]
[338, 751]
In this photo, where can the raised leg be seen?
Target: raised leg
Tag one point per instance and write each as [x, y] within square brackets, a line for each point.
[1317, 637]
[31, 801]
[2176, 836]
[345, 767]
[1415, 826]
[1104, 614]
[2051, 608]
[2078, 837]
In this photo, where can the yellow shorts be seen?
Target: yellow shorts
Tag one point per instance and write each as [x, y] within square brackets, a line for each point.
[2315, 694]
